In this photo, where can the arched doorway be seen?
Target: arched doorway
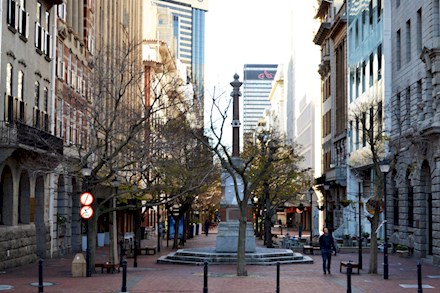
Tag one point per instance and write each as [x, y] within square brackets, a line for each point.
[25, 213]
[426, 202]
[6, 197]
[40, 228]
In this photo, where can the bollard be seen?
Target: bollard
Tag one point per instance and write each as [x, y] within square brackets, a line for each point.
[121, 249]
[419, 277]
[349, 277]
[124, 276]
[205, 277]
[40, 275]
[135, 262]
[278, 277]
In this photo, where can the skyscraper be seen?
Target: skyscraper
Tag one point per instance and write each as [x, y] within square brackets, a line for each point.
[257, 84]
[189, 33]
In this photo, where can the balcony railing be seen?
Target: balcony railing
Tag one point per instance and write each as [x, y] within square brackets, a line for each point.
[15, 134]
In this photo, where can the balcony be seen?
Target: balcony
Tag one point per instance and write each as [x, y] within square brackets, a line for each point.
[19, 135]
[322, 33]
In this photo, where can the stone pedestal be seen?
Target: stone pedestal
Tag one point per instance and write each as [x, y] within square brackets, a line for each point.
[227, 237]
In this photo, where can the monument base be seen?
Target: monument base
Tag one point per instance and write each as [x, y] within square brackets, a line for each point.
[227, 237]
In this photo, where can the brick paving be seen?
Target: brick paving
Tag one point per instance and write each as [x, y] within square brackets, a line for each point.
[152, 277]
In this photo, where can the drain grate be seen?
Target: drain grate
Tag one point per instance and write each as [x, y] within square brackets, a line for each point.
[6, 287]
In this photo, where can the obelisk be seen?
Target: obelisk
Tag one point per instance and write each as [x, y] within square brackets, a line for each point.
[227, 237]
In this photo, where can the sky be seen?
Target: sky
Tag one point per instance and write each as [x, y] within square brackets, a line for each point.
[241, 32]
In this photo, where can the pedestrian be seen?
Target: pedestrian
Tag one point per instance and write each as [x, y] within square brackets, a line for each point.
[395, 240]
[300, 230]
[327, 245]
[207, 223]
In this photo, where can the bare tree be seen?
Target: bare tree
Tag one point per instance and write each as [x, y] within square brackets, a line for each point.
[371, 152]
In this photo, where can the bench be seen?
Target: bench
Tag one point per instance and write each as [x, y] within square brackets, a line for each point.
[354, 265]
[150, 250]
[109, 266]
[310, 249]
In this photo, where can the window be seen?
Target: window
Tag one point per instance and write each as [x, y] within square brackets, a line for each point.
[357, 132]
[358, 81]
[408, 106]
[419, 97]
[379, 10]
[397, 111]
[364, 129]
[419, 30]
[397, 3]
[59, 117]
[9, 71]
[408, 40]
[398, 49]
[396, 207]
[371, 14]
[351, 135]
[20, 85]
[61, 11]
[371, 69]
[379, 62]
[68, 125]
[46, 99]
[364, 76]
[37, 94]
[379, 118]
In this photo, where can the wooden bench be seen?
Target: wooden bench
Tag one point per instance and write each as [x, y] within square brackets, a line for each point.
[109, 266]
[150, 250]
[310, 249]
[354, 265]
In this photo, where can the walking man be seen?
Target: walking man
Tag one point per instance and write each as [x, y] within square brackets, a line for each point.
[327, 245]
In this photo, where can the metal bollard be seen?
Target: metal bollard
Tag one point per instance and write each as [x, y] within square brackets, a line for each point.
[124, 276]
[40, 275]
[135, 262]
[349, 277]
[419, 277]
[205, 277]
[278, 277]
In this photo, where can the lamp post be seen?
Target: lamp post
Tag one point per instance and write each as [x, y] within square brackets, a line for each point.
[360, 225]
[311, 214]
[255, 201]
[115, 184]
[327, 190]
[385, 168]
[86, 172]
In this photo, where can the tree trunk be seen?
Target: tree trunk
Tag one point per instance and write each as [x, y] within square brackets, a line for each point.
[374, 221]
[176, 233]
[91, 239]
[241, 249]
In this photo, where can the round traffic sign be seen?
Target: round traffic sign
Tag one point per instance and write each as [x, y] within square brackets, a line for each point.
[86, 212]
[86, 198]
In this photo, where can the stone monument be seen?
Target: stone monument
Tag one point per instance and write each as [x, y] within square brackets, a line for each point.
[227, 237]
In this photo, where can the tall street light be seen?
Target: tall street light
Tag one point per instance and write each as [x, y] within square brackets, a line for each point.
[385, 168]
[360, 225]
[87, 172]
[311, 214]
[115, 184]
[327, 190]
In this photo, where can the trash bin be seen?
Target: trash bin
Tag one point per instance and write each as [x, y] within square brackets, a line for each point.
[79, 266]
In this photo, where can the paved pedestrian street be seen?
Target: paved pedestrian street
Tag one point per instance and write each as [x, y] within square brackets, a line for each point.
[152, 277]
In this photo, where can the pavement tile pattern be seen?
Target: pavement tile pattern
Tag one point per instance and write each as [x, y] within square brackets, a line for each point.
[152, 277]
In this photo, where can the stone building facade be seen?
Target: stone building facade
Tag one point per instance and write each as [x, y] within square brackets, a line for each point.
[415, 119]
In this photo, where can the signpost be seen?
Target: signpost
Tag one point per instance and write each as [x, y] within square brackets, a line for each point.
[86, 212]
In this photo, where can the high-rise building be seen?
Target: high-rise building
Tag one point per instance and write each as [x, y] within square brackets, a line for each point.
[257, 84]
[188, 18]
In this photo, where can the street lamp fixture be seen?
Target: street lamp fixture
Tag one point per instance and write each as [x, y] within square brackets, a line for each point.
[360, 224]
[385, 168]
[87, 172]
